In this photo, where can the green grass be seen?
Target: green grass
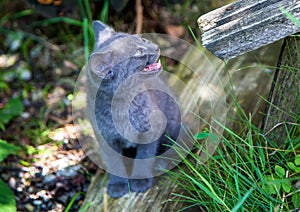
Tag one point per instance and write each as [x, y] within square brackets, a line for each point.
[247, 173]
[290, 16]
[61, 23]
[71, 38]
[71, 203]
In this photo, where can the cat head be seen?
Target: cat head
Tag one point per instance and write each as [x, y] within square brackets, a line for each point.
[117, 55]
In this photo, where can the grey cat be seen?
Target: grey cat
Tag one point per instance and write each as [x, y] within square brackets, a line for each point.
[124, 95]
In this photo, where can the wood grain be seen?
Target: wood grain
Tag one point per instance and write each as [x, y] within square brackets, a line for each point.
[284, 99]
[247, 25]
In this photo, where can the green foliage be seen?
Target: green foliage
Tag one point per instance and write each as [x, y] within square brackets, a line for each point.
[7, 149]
[104, 12]
[85, 207]
[296, 200]
[293, 167]
[13, 108]
[206, 135]
[280, 172]
[280, 183]
[297, 160]
[291, 17]
[7, 198]
[71, 203]
[201, 135]
[245, 174]
[37, 131]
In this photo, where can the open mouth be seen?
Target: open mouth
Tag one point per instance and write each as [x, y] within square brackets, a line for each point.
[154, 67]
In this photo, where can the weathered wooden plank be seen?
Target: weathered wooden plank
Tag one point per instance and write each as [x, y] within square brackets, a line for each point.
[159, 198]
[246, 25]
[283, 111]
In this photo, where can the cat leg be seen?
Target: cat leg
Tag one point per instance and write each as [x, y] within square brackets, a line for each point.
[144, 169]
[117, 186]
[140, 185]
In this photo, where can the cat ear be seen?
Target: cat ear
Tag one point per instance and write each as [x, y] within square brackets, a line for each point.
[102, 32]
[101, 64]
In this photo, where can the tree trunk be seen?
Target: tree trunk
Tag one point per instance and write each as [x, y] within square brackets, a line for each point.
[284, 99]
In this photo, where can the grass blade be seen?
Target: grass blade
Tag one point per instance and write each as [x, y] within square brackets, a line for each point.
[240, 203]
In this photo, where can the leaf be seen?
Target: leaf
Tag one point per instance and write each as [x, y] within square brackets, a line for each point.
[213, 137]
[30, 150]
[4, 85]
[200, 136]
[270, 186]
[13, 107]
[294, 168]
[24, 163]
[269, 189]
[286, 186]
[2, 127]
[296, 200]
[297, 160]
[7, 198]
[6, 149]
[279, 171]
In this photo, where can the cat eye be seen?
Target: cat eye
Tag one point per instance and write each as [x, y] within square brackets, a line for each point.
[139, 52]
[145, 40]
[110, 73]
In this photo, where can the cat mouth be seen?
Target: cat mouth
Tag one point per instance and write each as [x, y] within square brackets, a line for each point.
[154, 67]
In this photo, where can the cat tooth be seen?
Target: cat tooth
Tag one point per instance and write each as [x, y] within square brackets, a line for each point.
[159, 63]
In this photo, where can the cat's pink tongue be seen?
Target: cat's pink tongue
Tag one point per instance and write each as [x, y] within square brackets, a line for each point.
[153, 67]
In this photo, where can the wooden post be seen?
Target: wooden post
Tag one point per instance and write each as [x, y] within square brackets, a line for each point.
[284, 99]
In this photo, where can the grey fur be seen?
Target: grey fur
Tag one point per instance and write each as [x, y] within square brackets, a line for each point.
[119, 60]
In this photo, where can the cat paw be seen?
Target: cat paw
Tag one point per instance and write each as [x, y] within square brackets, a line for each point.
[140, 185]
[116, 190]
